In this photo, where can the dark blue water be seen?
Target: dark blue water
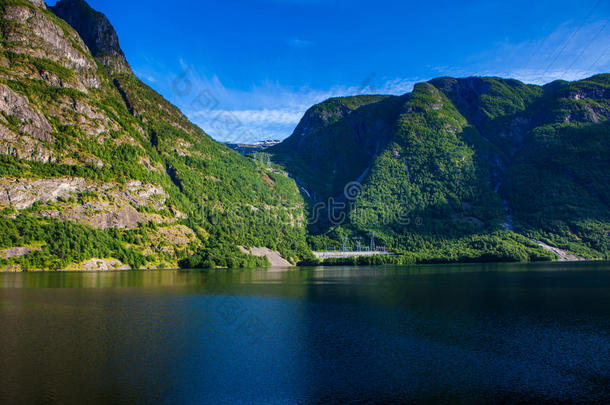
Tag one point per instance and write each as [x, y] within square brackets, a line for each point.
[445, 334]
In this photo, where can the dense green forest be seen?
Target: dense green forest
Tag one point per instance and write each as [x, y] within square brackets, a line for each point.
[460, 169]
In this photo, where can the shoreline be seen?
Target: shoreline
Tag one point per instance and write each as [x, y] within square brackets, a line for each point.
[294, 267]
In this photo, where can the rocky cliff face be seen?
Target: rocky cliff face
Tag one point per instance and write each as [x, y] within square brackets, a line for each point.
[38, 3]
[33, 35]
[97, 32]
[25, 132]
[39, 57]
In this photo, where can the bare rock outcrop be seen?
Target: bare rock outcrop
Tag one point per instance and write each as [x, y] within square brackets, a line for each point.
[16, 252]
[274, 257]
[96, 31]
[23, 193]
[32, 123]
[100, 215]
[99, 265]
[24, 147]
[109, 206]
[35, 34]
[38, 3]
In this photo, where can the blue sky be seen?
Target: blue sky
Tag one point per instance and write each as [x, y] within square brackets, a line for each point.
[248, 70]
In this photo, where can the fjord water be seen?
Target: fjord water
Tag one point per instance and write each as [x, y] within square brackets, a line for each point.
[511, 333]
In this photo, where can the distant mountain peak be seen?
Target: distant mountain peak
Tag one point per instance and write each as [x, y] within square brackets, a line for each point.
[97, 32]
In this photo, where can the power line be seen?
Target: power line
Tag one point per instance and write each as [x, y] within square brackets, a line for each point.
[587, 47]
[599, 59]
[576, 31]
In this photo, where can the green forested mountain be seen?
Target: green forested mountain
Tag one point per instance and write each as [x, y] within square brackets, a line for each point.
[98, 170]
[461, 169]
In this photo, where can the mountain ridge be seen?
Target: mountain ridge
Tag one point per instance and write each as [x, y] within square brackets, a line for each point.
[455, 157]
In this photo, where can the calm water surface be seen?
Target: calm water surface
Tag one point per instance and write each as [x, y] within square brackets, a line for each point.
[429, 334]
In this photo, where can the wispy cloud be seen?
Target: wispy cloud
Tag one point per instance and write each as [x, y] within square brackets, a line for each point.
[145, 76]
[299, 43]
[265, 111]
[570, 52]
[281, 117]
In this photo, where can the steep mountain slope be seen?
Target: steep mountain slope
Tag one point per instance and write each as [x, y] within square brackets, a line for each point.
[95, 165]
[553, 145]
[338, 140]
[97, 32]
[460, 169]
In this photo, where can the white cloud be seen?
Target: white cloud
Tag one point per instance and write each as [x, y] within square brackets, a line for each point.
[282, 117]
[265, 111]
[398, 86]
[272, 111]
[239, 126]
[145, 76]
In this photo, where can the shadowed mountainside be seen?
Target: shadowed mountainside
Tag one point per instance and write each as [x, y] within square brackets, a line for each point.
[459, 168]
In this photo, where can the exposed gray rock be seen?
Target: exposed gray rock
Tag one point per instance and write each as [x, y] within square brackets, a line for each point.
[100, 215]
[33, 124]
[87, 111]
[96, 31]
[38, 3]
[113, 206]
[100, 265]
[23, 147]
[274, 257]
[16, 252]
[563, 255]
[23, 193]
[40, 37]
